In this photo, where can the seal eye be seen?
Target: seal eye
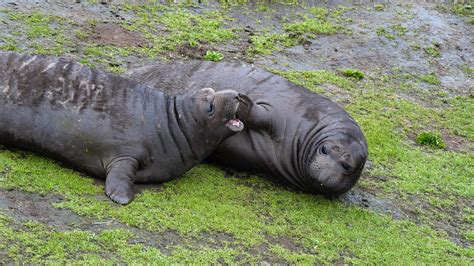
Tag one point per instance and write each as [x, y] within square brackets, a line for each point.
[324, 150]
[346, 166]
[211, 110]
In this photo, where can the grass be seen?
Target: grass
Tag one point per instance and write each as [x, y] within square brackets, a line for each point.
[432, 51]
[310, 27]
[318, 21]
[213, 56]
[383, 32]
[178, 27]
[166, 28]
[392, 31]
[430, 79]
[468, 71]
[352, 73]
[9, 44]
[33, 242]
[204, 202]
[465, 10]
[265, 43]
[431, 139]
[379, 7]
[46, 34]
[399, 29]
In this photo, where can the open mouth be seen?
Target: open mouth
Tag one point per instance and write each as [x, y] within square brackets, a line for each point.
[235, 124]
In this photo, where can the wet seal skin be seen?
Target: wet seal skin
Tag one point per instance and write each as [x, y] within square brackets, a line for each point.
[108, 126]
[293, 136]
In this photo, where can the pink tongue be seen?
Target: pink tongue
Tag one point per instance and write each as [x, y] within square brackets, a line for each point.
[235, 122]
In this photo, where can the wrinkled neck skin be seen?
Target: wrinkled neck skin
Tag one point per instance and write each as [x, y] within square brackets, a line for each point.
[299, 139]
[200, 138]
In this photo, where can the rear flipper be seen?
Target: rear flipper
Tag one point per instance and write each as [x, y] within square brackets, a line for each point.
[120, 178]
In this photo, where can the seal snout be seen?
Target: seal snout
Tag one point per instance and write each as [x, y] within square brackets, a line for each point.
[336, 165]
[230, 101]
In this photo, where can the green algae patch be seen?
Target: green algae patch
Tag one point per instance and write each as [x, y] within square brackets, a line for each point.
[432, 51]
[9, 44]
[431, 139]
[213, 56]
[392, 32]
[352, 73]
[251, 211]
[45, 34]
[316, 21]
[430, 79]
[32, 242]
[166, 28]
[163, 28]
[39, 175]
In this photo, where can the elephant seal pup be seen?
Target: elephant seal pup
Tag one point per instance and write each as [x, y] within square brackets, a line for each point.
[295, 137]
[108, 126]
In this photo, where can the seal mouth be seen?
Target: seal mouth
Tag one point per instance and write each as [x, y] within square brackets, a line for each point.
[234, 124]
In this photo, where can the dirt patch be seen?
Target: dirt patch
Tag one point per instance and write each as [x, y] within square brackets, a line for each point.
[411, 207]
[188, 51]
[453, 143]
[363, 48]
[24, 206]
[336, 94]
[113, 34]
[457, 143]
[270, 258]
[370, 200]
[346, 253]
[286, 242]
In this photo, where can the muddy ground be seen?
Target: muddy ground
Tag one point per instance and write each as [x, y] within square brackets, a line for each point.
[368, 42]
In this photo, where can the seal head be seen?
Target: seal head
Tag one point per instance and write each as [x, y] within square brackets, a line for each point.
[212, 113]
[336, 165]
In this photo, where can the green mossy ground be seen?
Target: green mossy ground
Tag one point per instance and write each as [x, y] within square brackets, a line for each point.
[205, 201]
[210, 216]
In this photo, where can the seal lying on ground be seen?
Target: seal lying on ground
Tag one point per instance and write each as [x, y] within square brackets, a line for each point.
[108, 126]
[298, 138]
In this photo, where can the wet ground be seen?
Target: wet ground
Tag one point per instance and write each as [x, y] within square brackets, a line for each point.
[401, 40]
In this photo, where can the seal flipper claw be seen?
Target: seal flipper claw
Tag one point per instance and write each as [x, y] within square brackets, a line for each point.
[120, 179]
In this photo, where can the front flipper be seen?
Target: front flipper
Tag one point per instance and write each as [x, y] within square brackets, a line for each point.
[121, 173]
[257, 116]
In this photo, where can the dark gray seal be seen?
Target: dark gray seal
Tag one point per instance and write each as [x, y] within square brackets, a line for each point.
[109, 126]
[298, 138]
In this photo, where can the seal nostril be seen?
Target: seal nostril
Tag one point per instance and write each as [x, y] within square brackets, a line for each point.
[346, 166]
